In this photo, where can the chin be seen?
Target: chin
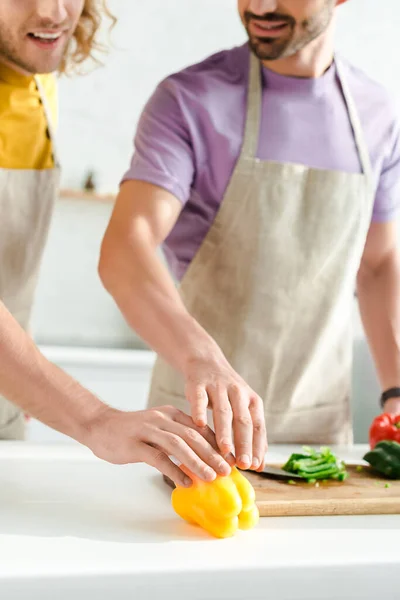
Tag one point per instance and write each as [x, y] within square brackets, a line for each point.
[46, 67]
[265, 51]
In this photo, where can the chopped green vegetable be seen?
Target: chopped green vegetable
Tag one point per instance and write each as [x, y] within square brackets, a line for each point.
[385, 458]
[387, 485]
[359, 468]
[291, 482]
[316, 465]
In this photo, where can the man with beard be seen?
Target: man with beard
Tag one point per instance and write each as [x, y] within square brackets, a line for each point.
[42, 36]
[270, 173]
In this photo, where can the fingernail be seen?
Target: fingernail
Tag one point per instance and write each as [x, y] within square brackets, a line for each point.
[187, 482]
[256, 463]
[245, 460]
[224, 469]
[210, 475]
[230, 459]
[226, 445]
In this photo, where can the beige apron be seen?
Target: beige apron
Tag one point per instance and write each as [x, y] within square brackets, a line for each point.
[273, 284]
[26, 204]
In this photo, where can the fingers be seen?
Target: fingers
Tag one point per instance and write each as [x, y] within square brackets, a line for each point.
[160, 461]
[242, 427]
[260, 444]
[222, 412]
[184, 419]
[198, 399]
[202, 442]
[174, 445]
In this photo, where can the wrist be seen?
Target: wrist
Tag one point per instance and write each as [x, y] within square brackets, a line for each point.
[92, 429]
[391, 395]
[207, 355]
[392, 406]
[200, 347]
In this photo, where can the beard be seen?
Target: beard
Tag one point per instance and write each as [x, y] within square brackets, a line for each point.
[295, 35]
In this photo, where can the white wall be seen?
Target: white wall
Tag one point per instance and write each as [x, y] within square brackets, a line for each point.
[97, 121]
[152, 39]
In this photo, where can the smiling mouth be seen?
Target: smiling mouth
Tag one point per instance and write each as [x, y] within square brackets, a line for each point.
[45, 37]
[271, 26]
[268, 29]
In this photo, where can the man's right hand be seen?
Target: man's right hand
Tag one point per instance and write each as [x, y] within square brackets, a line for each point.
[153, 436]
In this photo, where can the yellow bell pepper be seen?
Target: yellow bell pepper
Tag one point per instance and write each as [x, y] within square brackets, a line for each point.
[221, 507]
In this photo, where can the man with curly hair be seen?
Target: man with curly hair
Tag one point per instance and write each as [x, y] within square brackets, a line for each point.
[37, 38]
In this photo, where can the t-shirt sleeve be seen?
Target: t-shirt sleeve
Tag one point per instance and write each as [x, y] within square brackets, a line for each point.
[387, 200]
[163, 153]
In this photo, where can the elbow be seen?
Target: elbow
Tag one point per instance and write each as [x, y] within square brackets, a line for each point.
[107, 267]
[364, 278]
[372, 275]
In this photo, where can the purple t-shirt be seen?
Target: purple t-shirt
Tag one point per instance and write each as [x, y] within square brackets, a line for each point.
[191, 131]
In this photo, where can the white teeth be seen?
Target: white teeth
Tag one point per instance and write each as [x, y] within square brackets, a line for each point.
[47, 36]
[269, 27]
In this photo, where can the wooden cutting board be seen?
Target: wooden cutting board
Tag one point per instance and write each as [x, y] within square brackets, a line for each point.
[363, 493]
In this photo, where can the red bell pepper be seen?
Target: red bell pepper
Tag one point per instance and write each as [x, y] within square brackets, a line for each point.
[384, 427]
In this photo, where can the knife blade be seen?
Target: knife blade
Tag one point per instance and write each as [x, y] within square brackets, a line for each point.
[276, 473]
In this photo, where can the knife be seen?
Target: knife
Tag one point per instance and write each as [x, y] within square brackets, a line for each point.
[268, 472]
[276, 473]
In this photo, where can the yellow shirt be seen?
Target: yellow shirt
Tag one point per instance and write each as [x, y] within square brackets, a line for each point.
[24, 141]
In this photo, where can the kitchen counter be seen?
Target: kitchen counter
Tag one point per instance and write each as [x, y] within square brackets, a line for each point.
[72, 526]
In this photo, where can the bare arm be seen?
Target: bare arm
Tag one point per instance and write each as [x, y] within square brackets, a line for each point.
[34, 384]
[140, 283]
[53, 397]
[133, 273]
[378, 286]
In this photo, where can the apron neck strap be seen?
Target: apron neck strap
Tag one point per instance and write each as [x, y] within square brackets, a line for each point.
[254, 103]
[49, 119]
[359, 137]
[253, 120]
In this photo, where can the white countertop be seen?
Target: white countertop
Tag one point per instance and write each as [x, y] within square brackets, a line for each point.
[72, 526]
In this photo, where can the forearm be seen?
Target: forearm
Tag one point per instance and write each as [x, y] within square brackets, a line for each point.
[145, 292]
[379, 294]
[40, 388]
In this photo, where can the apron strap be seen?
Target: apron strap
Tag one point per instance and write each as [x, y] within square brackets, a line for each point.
[49, 119]
[253, 121]
[254, 103]
[359, 137]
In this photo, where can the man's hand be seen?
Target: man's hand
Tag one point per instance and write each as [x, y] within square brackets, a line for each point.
[154, 437]
[392, 407]
[238, 412]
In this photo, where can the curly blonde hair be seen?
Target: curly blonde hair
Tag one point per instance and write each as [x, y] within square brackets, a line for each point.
[84, 44]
